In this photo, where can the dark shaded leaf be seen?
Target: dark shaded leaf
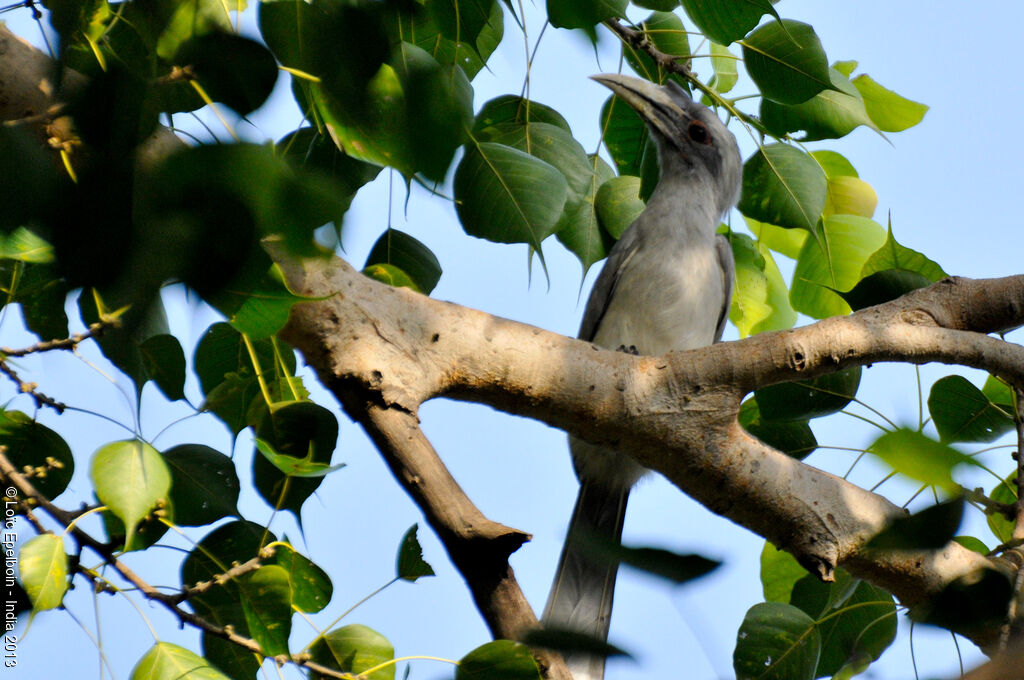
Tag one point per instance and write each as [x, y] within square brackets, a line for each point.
[883, 286]
[401, 250]
[204, 485]
[776, 642]
[38, 448]
[164, 361]
[962, 412]
[570, 641]
[794, 438]
[928, 529]
[805, 399]
[231, 69]
[267, 604]
[786, 61]
[304, 432]
[727, 20]
[410, 563]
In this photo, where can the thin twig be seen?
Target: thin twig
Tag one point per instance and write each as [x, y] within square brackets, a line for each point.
[170, 602]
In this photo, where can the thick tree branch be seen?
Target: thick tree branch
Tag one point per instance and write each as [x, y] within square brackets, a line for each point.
[677, 413]
[478, 547]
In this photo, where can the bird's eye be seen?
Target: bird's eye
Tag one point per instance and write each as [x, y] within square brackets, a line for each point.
[699, 132]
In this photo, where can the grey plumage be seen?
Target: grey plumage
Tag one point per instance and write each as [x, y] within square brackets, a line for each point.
[666, 285]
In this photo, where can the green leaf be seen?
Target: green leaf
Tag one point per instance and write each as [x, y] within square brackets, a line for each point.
[889, 111]
[401, 250]
[786, 61]
[130, 478]
[185, 20]
[998, 392]
[882, 287]
[582, 230]
[862, 627]
[760, 300]
[834, 164]
[665, 31]
[498, 660]
[354, 649]
[830, 114]
[659, 5]
[776, 641]
[227, 375]
[311, 587]
[972, 543]
[805, 399]
[788, 242]
[917, 456]
[1004, 492]
[36, 447]
[725, 21]
[508, 196]
[850, 196]
[438, 108]
[410, 563]
[232, 543]
[892, 255]
[164, 361]
[784, 186]
[292, 466]
[585, 14]
[779, 573]
[724, 63]
[231, 69]
[314, 152]
[43, 568]
[41, 291]
[204, 485]
[260, 309]
[303, 435]
[25, 245]
[552, 145]
[509, 108]
[928, 529]
[618, 204]
[793, 438]
[150, 530]
[391, 275]
[833, 262]
[962, 412]
[461, 20]
[268, 608]
[168, 661]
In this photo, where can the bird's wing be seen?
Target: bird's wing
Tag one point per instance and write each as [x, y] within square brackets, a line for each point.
[725, 260]
[604, 287]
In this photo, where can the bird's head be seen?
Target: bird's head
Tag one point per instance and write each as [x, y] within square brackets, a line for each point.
[691, 140]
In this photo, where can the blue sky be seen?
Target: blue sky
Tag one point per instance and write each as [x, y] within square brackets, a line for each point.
[949, 185]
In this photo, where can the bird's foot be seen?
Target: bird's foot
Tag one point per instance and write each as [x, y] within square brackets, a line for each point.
[629, 350]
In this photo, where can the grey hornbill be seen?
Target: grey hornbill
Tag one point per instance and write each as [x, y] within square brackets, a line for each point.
[666, 285]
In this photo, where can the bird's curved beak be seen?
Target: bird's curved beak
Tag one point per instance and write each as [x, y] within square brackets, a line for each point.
[651, 101]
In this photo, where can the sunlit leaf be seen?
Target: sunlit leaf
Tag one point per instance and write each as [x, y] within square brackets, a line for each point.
[130, 478]
[917, 456]
[889, 111]
[355, 649]
[43, 567]
[498, 660]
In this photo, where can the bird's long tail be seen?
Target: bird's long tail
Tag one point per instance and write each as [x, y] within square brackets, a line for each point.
[581, 594]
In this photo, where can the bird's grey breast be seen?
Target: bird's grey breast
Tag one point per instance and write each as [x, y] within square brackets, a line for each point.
[672, 302]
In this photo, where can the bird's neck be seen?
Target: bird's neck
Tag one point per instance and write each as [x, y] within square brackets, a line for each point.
[682, 208]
